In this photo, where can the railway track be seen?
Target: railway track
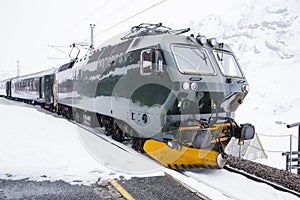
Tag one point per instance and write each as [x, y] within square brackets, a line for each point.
[195, 182]
[280, 179]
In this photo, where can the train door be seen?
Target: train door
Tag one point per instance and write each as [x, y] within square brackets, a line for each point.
[55, 94]
[49, 80]
[41, 88]
[8, 88]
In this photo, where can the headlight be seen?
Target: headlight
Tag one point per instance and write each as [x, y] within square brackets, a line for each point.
[212, 42]
[247, 132]
[186, 85]
[201, 39]
[244, 132]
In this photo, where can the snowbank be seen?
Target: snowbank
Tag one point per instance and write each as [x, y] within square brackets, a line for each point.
[42, 146]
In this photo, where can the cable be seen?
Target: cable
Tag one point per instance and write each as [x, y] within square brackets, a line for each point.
[295, 137]
[57, 48]
[54, 58]
[76, 25]
[130, 17]
[101, 6]
[286, 135]
[6, 71]
[270, 151]
[264, 135]
[96, 10]
[116, 11]
[68, 31]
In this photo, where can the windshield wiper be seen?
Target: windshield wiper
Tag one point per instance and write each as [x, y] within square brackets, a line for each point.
[220, 59]
[203, 56]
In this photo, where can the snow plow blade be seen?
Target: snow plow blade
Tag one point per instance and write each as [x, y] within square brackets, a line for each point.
[184, 158]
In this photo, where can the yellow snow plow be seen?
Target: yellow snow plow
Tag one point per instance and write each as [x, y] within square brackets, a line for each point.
[194, 147]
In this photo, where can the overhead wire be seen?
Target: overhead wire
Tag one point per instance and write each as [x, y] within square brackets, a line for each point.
[101, 6]
[145, 10]
[116, 11]
[97, 9]
[56, 47]
[73, 28]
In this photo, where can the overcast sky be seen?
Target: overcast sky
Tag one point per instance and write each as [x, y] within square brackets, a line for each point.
[29, 26]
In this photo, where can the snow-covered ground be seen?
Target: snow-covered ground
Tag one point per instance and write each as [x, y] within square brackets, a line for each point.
[41, 146]
[45, 147]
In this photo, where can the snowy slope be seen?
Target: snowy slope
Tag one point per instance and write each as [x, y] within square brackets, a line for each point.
[265, 36]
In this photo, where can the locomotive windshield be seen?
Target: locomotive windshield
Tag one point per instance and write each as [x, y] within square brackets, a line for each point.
[192, 60]
[228, 64]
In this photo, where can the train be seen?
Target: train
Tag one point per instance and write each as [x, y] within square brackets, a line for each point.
[172, 94]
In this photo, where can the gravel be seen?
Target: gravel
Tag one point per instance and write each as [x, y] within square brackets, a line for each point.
[274, 175]
[159, 187]
[42, 190]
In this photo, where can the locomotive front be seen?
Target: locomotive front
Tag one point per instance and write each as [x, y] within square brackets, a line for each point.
[174, 96]
[207, 88]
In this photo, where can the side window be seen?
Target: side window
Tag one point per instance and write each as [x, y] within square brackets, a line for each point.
[158, 61]
[146, 62]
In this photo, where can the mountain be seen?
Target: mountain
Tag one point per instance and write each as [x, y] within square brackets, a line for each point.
[257, 27]
[265, 36]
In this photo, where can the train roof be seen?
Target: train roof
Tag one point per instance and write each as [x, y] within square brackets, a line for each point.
[37, 74]
[146, 35]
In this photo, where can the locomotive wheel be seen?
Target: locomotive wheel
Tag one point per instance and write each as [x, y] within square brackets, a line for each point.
[78, 116]
[118, 135]
[101, 120]
[138, 144]
[108, 131]
[108, 126]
